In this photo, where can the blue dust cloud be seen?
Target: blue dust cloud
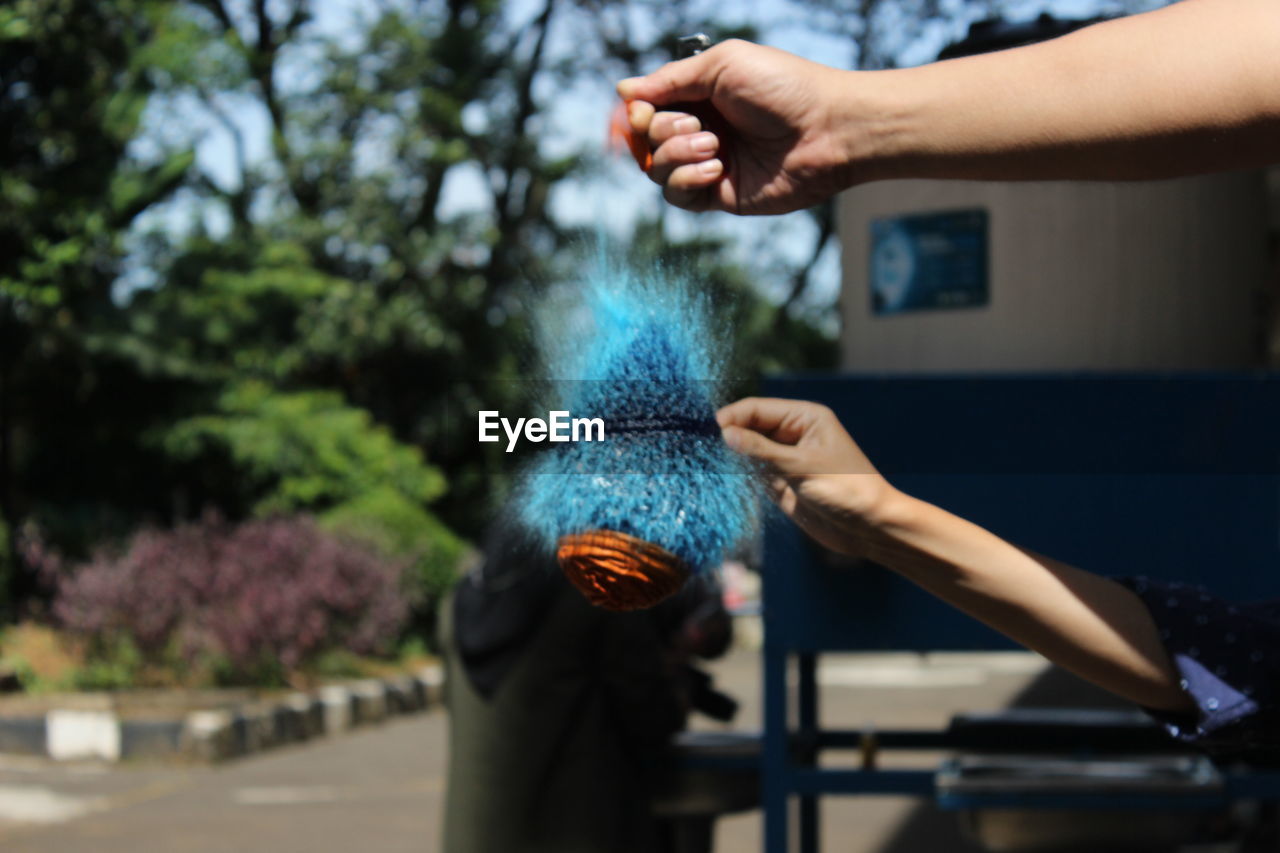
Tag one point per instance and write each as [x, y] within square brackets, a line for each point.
[643, 352]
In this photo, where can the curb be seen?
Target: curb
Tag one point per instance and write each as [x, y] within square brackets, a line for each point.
[74, 734]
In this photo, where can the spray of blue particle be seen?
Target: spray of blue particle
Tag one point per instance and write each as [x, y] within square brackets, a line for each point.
[642, 351]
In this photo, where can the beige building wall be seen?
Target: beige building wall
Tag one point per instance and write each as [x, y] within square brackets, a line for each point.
[1082, 276]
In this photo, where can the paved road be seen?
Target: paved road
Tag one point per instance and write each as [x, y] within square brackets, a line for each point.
[375, 790]
[381, 790]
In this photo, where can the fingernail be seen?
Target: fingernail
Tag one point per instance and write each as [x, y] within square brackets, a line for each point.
[625, 87]
[703, 143]
[688, 124]
[710, 168]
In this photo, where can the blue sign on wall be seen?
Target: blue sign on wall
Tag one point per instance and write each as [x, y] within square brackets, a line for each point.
[929, 261]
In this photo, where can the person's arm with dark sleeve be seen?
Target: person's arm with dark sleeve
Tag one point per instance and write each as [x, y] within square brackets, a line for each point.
[1226, 658]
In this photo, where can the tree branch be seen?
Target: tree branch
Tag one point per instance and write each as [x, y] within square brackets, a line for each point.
[238, 199]
[525, 108]
[262, 62]
[219, 11]
[298, 16]
[260, 15]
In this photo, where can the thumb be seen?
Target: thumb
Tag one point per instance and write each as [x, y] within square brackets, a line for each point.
[691, 79]
[751, 443]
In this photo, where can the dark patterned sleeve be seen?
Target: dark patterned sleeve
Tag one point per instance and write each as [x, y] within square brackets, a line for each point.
[1228, 658]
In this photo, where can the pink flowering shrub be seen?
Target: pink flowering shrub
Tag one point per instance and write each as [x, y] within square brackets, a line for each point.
[256, 600]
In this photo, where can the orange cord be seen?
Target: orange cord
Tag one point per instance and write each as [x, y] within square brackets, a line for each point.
[623, 137]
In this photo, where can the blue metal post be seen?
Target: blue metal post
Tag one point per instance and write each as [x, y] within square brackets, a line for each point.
[807, 724]
[775, 769]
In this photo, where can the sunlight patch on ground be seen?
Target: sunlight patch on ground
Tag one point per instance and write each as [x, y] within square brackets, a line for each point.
[24, 804]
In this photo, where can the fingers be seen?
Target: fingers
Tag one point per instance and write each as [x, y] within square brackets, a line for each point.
[658, 127]
[691, 79]
[679, 143]
[686, 150]
[667, 124]
[783, 421]
[684, 159]
[781, 492]
[640, 116]
[684, 164]
[694, 187]
[787, 501]
[753, 444]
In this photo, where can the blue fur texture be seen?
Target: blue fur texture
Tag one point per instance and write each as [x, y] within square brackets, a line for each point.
[643, 353]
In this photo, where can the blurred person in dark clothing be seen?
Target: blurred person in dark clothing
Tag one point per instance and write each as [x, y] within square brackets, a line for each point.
[560, 712]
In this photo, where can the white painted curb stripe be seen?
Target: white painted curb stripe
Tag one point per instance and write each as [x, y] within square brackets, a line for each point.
[337, 708]
[432, 676]
[77, 735]
[74, 735]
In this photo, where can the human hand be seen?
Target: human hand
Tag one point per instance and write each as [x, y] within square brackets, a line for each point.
[775, 139]
[817, 474]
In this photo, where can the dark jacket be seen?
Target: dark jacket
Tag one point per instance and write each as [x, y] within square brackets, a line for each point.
[558, 716]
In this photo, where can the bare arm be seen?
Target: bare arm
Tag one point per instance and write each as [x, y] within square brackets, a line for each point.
[1185, 89]
[1083, 622]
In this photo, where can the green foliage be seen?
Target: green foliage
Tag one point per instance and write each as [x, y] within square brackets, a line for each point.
[336, 665]
[7, 555]
[26, 673]
[306, 450]
[385, 519]
[414, 648]
[237, 310]
[74, 97]
[266, 671]
[115, 665]
[73, 89]
[380, 292]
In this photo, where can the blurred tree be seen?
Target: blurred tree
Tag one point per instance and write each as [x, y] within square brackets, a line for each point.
[341, 268]
[73, 86]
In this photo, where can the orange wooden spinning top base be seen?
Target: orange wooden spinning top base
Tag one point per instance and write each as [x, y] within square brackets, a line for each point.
[617, 571]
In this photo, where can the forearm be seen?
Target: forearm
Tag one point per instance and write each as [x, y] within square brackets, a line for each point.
[1085, 623]
[1186, 89]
